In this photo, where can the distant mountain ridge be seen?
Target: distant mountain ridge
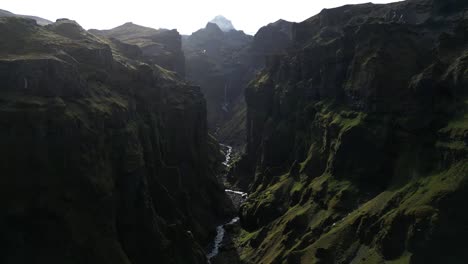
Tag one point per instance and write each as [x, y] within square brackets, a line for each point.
[40, 21]
[213, 62]
[160, 46]
[223, 23]
[223, 62]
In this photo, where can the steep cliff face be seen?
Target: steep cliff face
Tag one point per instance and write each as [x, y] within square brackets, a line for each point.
[223, 62]
[213, 62]
[271, 40]
[162, 46]
[104, 158]
[357, 139]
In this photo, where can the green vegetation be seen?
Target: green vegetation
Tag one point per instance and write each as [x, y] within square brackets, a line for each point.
[357, 157]
[92, 145]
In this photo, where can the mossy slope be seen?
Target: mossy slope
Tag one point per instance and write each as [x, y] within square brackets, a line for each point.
[357, 140]
[105, 158]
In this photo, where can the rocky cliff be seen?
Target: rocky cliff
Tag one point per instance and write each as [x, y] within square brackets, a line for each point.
[213, 59]
[357, 139]
[159, 46]
[104, 158]
[271, 40]
[223, 62]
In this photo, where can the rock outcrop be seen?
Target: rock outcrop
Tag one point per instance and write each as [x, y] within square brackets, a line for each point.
[159, 46]
[223, 62]
[104, 158]
[357, 139]
[41, 21]
[271, 40]
[223, 23]
[214, 62]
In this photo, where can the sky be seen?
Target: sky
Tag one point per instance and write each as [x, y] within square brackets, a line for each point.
[184, 15]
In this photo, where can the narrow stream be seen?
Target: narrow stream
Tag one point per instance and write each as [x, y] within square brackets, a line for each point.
[243, 194]
[228, 155]
[219, 238]
[220, 230]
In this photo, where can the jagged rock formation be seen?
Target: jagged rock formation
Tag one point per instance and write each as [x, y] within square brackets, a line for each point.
[160, 46]
[357, 139]
[223, 62]
[41, 21]
[223, 23]
[213, 60]
[271, 40]
[104, 158]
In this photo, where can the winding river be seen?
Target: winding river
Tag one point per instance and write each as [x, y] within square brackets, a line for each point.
[220, 230]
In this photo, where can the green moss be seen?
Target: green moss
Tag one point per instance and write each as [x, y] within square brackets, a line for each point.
[405, 259]
[166, 74]
[297, 187]
[310, 155]
[347, 120]
[233, 131]
[261, 80]
[245, 236]
[455, 145]
[415, 199]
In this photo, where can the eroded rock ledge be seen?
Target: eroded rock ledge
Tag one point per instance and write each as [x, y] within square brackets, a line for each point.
[357, 140]
[104, 158]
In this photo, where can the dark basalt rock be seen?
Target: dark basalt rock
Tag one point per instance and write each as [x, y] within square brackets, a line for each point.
[162, 46]
[214, 62]
[68, 28]
[30, 77]
[357, 136]
[39, 20]
[104, 158]
[273, 39]
[129, 50]
[222, 63]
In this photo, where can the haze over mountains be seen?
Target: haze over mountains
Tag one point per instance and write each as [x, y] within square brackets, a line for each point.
[339, 139]
[223, 23]
[185, 16]
[39, 20]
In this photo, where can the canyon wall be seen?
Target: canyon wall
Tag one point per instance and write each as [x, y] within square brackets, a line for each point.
[357, 139]
[105, 156]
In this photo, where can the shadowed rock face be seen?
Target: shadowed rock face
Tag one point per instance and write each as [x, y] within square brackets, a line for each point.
[162, 46]
[39, 20]
[270, 40]
[214, 61]
[357, 139]
[222, 63]
[104, 158]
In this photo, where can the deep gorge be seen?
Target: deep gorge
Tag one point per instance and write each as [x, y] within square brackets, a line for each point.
[349, 134]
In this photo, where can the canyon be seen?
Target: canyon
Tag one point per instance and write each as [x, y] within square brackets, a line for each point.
[339, 139]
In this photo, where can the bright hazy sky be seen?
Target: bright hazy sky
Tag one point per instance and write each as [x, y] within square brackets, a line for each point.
[185, 15]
